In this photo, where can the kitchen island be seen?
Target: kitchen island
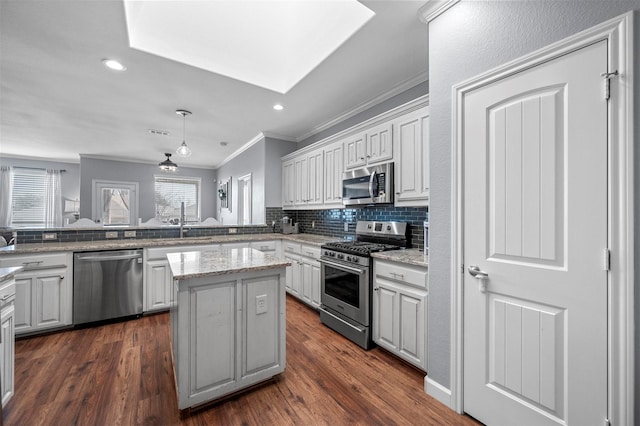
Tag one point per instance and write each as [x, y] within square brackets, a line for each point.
[228, 322]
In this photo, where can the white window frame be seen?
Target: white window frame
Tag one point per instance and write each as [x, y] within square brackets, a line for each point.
[96, 197]
[245, 210]
[185, 179]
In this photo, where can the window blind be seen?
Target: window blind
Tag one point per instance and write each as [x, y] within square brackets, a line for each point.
[28, 200]
[170, 192]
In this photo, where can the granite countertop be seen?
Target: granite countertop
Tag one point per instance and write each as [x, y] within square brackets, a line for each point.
[8, 273]
[195, 264]
[409, 256]
[311, 239]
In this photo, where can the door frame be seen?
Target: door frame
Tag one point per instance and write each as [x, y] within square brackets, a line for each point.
[618, 32]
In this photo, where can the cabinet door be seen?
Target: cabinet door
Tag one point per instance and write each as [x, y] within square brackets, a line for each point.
[316, 178]
[292, 280]
[7, 352]
[380, 143]
[385, 314]
[307, 281]
[315, 284]
[288, 184]
[412, 322]
[157, 290]
[355, 151]
[412, 170]
[23, 311]
[52, 306]
[301, 176]
[333, 169]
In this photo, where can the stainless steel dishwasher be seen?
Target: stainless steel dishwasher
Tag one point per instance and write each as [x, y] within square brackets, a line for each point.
[106, 285]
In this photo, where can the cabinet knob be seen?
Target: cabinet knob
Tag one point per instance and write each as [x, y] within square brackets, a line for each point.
[376, 289]
[362, 158]
[62, 277]
[368, 156]
[397, 193]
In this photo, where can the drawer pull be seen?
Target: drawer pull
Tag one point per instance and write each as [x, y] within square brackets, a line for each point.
[35, 262]
[309, 253]
[396, 275]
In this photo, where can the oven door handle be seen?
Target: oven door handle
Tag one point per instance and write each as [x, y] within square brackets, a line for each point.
[343, 267]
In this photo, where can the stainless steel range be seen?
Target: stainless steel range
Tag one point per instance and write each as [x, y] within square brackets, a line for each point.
[347, 278]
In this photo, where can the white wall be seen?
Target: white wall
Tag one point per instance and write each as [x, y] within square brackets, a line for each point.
[143, 174]
[469, 39]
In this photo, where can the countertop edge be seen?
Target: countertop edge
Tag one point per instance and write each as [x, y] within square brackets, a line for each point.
[413, 257]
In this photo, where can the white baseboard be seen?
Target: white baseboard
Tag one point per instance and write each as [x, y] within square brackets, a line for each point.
[437, 391]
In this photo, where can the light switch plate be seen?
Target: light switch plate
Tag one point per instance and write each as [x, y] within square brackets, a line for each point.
[49, 236]
[129, 234]
[233, 230]
[261, 304]
[111, 234]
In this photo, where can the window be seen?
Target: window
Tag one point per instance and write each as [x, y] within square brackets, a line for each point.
[35, 199]
[170, 192]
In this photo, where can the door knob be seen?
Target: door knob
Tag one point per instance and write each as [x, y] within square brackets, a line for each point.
[481, 276]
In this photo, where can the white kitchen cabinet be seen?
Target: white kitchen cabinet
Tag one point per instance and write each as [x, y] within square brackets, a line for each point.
[315, 192]
[412, 159]
[288, 184]
[291, 252]
[380, 143]
[301, 180]
[156, 280]
[310, 275]
[271, 247]
[399, 310]
[333, 170]
[355, 151]
[7, 340]
[44, 291]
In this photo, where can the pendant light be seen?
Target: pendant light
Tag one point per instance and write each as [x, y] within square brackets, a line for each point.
[183, 150]
[168, 165]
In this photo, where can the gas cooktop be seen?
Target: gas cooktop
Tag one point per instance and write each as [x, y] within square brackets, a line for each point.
[361, 248]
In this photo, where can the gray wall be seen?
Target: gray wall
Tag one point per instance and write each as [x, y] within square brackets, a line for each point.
[410, 94]
[250, 161]
[143, 174]
[471, 38]
[69, 182]
[274, 149]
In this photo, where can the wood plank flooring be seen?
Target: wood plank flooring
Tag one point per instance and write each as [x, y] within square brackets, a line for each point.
[121, 374]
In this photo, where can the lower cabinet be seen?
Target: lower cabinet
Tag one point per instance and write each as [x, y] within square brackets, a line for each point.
[399, 310]
[7, 341]
[44, 291]
[303, 276]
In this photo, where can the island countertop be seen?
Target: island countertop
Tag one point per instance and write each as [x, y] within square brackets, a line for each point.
[221, 261]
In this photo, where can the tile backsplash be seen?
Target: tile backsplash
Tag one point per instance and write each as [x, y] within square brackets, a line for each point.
[332, 222]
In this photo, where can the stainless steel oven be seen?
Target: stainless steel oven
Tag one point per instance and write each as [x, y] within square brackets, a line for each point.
[346, 290]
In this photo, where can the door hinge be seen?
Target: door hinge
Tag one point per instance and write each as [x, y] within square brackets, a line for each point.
[607, 422]
[607, 83]
[607, 259]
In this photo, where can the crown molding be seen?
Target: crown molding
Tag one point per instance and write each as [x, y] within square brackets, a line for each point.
[281, 137]
[434, 8]
[257, 138]
[41, 159]
[407, 84]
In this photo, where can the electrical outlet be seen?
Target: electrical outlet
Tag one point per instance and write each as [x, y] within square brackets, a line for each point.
[129, 234]
[346, 227]
[261, 304]
[49, 236]
[313, 223]
[111, 234]
[233, 230]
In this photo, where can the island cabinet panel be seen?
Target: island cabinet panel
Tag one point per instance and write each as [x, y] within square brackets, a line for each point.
[263, 334]
[228, 333]
[213, 326]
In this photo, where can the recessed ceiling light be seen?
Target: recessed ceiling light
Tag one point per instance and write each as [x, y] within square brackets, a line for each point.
[278, 107]
[113, 64]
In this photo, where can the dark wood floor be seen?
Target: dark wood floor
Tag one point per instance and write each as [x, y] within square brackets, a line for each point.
[121, 374]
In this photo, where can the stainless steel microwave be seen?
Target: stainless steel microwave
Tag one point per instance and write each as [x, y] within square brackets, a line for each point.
[368, 185]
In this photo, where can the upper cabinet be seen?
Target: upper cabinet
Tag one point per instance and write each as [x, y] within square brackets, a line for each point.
[412, 159]
[370, 147]
[333, 169]
[312, 176]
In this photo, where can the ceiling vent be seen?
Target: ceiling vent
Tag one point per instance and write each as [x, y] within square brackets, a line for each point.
[159, 132]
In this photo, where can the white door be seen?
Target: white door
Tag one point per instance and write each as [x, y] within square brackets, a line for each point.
[535, 221]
